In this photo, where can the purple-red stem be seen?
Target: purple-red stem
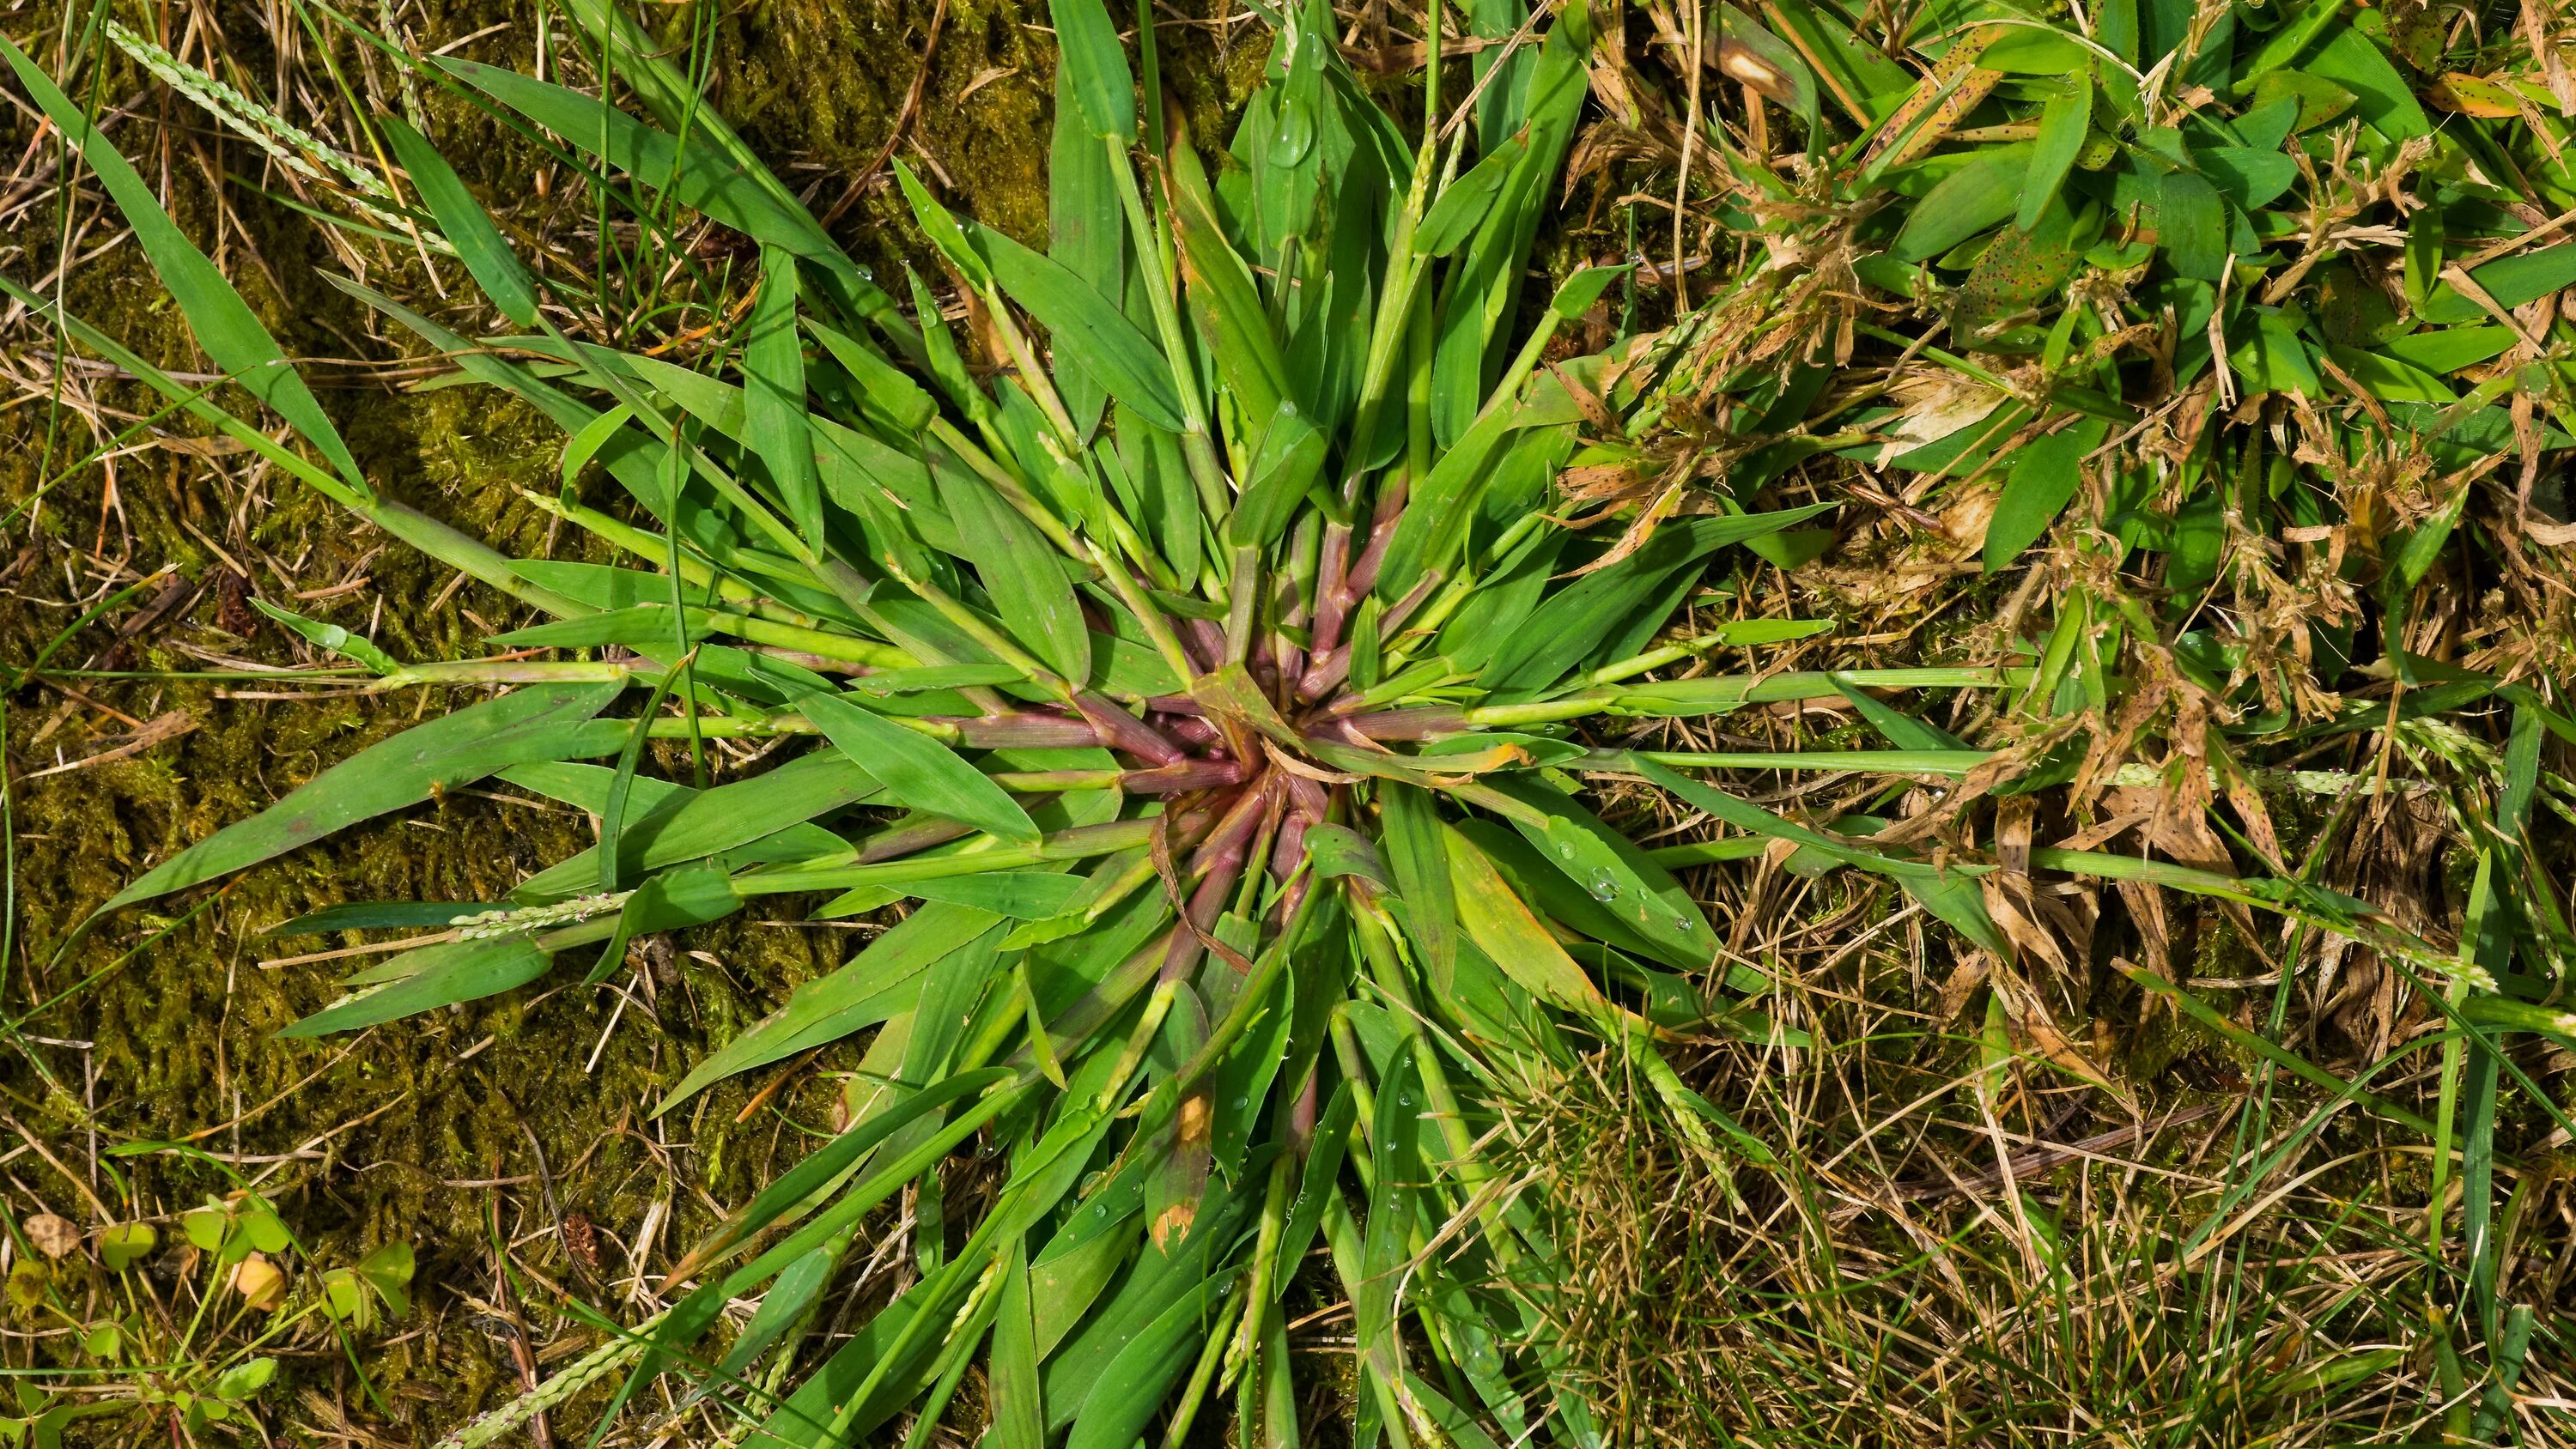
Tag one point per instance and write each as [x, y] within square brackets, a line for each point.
[1021, 730]
[1184, 777]
[1123, 731]
[1422, 723]
[1330, 603]
[1329, 659]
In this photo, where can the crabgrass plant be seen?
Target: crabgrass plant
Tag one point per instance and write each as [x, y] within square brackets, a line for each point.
[1194, 636]
[1216, 658]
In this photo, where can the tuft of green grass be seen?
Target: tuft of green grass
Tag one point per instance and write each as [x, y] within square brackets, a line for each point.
[1268, 658]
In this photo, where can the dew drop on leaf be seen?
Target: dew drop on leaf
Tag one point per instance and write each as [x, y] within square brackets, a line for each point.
[1296, 132]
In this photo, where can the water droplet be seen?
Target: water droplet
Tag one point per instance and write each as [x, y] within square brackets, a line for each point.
[1605, 886]
[1564, 851]
[1405, 1101]
[1242, 1102]
[1294, 134]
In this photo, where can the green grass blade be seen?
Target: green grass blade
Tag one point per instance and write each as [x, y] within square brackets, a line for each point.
[434, 976]
[918, 771]
[479, 244]
[2063, 122]
[773, 384]
[880, 982]
[1503, 927]
[1023, 574]
[1019, 1410]
[1418, 855]
[1084, 325]
[702, 823]
[222, 322]
[1104, 89]
[539, 722]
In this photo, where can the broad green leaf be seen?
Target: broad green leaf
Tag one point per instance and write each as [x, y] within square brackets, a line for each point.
[1082, 324]
[918, 771]
[1464, 201]
[1985, 191]
[242, 1380]
[2191, 226]
[2512, 281]
[2274, 358]
[2063, 122]
[2391, 378]
[2287, 41]
[2449, 349]
[2034, 50]
[388, 1270]
[1786, 64]
[2044, 478]
[2252, 179]
[122, 1245]
[1867, 84]
[1104, 90]
[539, 722]
[1334, 851]
[2319, 100]
[2018, 273]
[1022, 572]
[2349, 59]
[773, 384]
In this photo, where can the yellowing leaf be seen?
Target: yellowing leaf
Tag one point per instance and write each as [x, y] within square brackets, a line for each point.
[1503, 928]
